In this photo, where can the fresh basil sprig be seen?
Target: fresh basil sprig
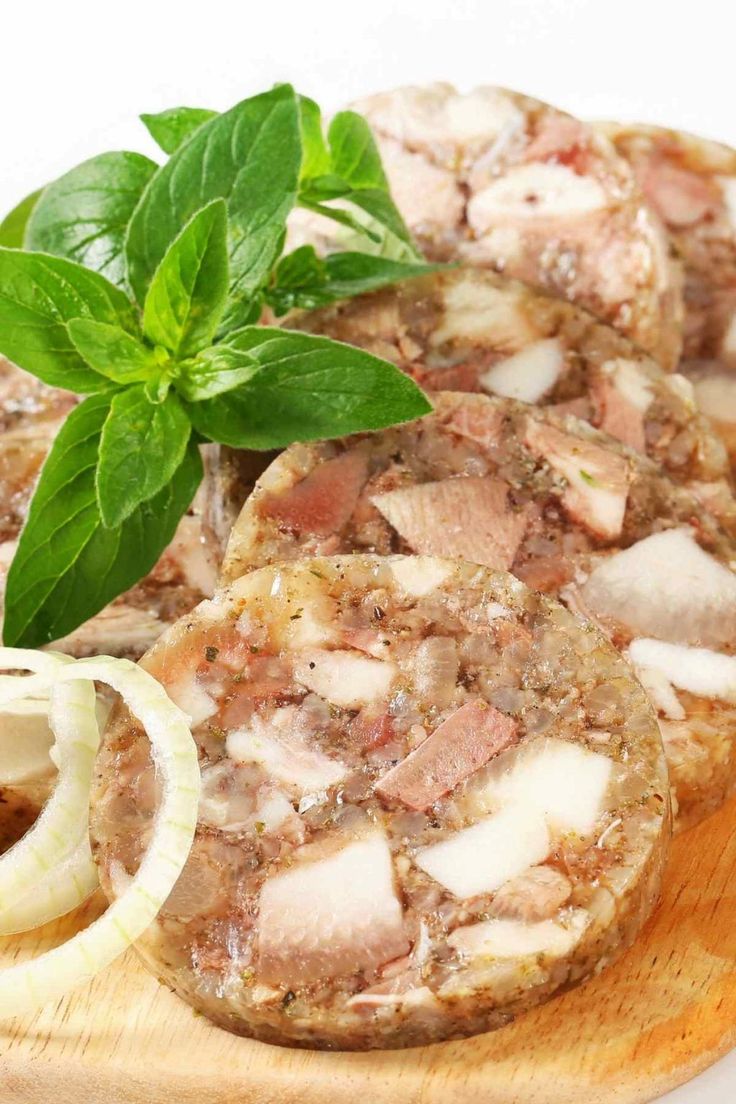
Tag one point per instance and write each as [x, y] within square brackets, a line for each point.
[85, 213]
[249, 156]
[355, 177]
[303, 280]
[139, 289]
[172, 127]
[68, 566]
[341, 177]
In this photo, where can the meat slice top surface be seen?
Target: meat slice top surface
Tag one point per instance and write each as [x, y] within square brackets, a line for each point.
[472, 330]
[498, 179]
[691, 183]
[563, 507]
[430, 798]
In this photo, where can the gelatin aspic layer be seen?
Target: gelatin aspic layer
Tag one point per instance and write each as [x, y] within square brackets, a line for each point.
[468, 329]
[565, 508]
[419, 817]
[501, 180]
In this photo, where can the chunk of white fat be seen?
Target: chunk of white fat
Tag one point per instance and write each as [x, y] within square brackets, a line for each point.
[536, 191]
[418, 575]
[482, 113]
[698, 670]
[25, 742]
[437, 115]
[600, 508]
[421, 997]
[527, 375]
[682, 388]
[187, 693]
[715, 392]
[274, 809]
[630, 381]
[727, 185]
[563, 782]
[481, 858]
[314, 625]
[660, 691]
[516, 939]
[303, 769]
[666, 586]
[331, 916]
[477, 311]
[344, 678]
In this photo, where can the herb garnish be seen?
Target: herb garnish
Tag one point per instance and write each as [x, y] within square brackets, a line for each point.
[139, 287]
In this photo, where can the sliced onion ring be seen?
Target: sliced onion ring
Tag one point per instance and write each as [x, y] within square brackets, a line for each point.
[29, 985]
[58, 892]
[64, 819]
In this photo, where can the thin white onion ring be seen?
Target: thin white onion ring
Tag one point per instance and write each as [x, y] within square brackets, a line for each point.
[65, 887]
[64, 818]
[29, 985]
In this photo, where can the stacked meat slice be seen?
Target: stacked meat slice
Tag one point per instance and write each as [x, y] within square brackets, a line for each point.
[431, 799]
[467, 329]
[433, 795]
[499, 179]
[691, 183]
[563, 507]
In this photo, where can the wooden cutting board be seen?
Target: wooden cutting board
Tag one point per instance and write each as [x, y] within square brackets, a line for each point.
[662, 1014]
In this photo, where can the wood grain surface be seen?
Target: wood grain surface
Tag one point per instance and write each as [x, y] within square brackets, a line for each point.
[664, 1012]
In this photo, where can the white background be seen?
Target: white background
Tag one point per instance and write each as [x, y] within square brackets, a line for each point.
[75, 75]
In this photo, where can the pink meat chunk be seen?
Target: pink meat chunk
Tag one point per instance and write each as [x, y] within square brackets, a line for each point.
[558, 139]
[681, 198]
[618, 416]
[371, 728]
[596, 484]
[461, 745]
[579, 408]
[331, 917]
[482, 424]
[466, 517]
[321, 503]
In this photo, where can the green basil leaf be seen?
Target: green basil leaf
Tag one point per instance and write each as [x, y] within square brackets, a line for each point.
[141, 446]
[112, 351]
[189, 288]
[308, 388]
[157, 388]
[356, 176]
[358, 225]
[300, 269]
[214, 371]
[239, 313]
[13, 226]
[250, 156]
[315, 154]
[38, 296]
[303, 280]
[351, 274]
[85, 213]
[323, 188]
[171, 128]
[380, 218]
[68, 566]
[354, 152]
